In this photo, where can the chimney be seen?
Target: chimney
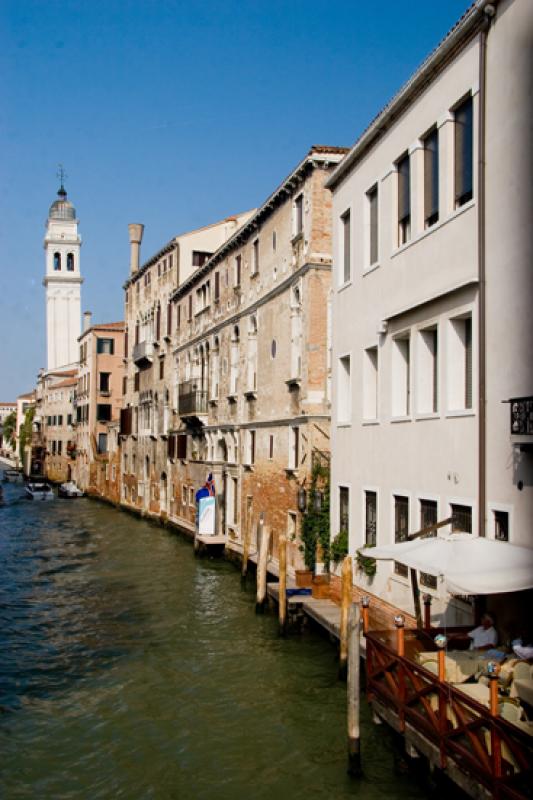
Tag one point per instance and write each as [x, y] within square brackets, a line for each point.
[87, 317]
[136, 235]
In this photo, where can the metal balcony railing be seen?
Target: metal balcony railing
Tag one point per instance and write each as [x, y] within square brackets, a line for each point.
[192, 399]
[521, 416]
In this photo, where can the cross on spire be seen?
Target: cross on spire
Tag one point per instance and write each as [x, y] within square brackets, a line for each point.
[61, 174]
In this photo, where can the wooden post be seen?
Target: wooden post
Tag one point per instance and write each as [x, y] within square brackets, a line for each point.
[365, 603]
[282, 605]
[353, 683]
[441, 656]
[495, 741]
[246, 548]
[346, 601]
[416, 597]
[427, 612]
[262, 568]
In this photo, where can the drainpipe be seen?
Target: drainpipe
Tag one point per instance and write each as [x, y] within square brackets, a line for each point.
[488, 12]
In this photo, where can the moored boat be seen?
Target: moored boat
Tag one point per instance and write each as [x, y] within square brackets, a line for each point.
[39, 491]
[69, 490]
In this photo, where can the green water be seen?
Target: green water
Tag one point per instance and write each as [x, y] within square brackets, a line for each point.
[131, 669]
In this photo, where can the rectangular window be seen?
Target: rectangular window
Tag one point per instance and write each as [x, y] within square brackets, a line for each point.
[427, 580]
[372, 200]
[344, 391]
[299, 215]
[161, 368]
[199, 257]
[102, 442]
[271, 447]
[460, 364]
[59, 447]
[428, 515]
[461, 518]
[182, 446]
[69, 419]
[103, 381]
[431, 178]
[464, 153]
[191, 496]
[344, 509]
[169, 319]
[189, 318]
[501, 526]
[346, 246]
[294, 447]
[255, 257]
[103, 412]
[274, 241]
[234, 517]
[136, 381]
[105, 346]
[217, 287]
[124, 385]
[371, 518]
[401, 528]
[428, 371]
[370, 384]
[184, 495]
[60, 419]
[401, 383]
[238, 270]
[404, 199]
[251, 448]
[178, 316]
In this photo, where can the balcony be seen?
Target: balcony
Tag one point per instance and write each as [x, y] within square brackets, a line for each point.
[143, 353]
[192, 400]
[522, 422]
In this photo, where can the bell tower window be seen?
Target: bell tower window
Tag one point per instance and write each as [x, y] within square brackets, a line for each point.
[70, 262]
[57, 262]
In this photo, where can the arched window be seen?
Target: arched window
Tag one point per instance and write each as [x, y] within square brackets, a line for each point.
[70, 262]
[57, 261]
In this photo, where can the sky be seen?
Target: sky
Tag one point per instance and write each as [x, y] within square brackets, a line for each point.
[174, 114]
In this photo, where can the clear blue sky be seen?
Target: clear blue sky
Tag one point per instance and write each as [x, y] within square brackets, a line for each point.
[174, 114]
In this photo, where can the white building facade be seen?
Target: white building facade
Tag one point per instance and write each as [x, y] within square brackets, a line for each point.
[431, 305]
[62, 282]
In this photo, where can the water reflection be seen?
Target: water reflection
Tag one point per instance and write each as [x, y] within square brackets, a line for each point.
[129, 669]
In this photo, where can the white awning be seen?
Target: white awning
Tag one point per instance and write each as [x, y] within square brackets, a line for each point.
[467, 564]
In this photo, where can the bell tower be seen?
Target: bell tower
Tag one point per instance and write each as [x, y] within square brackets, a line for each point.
[62, 281]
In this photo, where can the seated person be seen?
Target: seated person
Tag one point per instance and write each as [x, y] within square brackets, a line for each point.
[484, 637]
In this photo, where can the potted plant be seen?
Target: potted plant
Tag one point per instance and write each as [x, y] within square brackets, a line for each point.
[366, 564]
[339, 547]
[315, 534]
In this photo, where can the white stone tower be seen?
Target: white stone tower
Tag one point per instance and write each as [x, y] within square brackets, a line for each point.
[62, 282]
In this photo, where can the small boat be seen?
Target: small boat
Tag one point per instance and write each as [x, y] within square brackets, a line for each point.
[69, 490]
[12, 476]
[39, 491]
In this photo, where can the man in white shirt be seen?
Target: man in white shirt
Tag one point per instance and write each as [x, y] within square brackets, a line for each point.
[484, 637]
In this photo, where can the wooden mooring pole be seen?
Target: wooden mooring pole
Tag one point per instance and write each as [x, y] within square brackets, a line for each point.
[346, 600]
[246, 548]
[262, 568]
[354, 664]
[282, 605]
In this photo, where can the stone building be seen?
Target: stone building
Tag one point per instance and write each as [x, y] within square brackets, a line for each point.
[149, 397]
[244, 390]
[6, 409]
[432, 305]
[99, 396]
[55, 422]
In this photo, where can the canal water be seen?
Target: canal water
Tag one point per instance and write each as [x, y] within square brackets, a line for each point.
[131, 669]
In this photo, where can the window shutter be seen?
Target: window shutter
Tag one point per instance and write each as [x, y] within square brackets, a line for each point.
[404, 189]
[171, 446]
[468, 362]
[431, 177]
[463, 152]
[125, 421]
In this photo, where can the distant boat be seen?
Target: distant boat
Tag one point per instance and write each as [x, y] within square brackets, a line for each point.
[39, 491]
[69, 490]
[12, 476]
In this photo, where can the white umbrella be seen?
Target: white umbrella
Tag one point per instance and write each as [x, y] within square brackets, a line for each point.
[468, 564]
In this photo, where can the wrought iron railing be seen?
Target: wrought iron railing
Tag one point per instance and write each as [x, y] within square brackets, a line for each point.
[521, 416]
[192, 399]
